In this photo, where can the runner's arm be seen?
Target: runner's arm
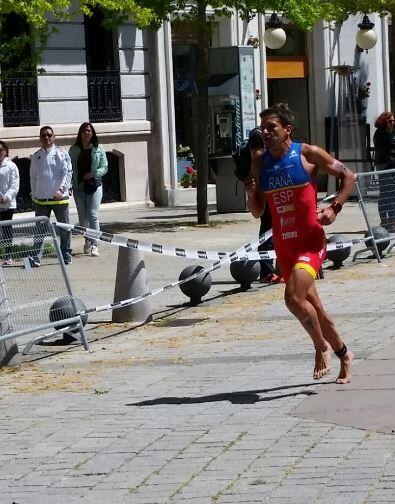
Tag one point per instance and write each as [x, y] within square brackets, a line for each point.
[326, 163]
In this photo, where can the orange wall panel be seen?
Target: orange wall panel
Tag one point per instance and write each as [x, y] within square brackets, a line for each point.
[287, 68]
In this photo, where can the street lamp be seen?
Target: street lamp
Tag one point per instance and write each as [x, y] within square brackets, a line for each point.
[274, 36]
[366, 37]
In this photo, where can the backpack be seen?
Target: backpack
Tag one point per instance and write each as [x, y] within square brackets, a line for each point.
[242, 159]
[242, 156]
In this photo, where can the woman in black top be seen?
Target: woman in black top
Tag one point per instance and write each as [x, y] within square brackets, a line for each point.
[384, 145]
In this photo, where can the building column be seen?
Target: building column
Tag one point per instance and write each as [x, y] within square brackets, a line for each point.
[163, 157]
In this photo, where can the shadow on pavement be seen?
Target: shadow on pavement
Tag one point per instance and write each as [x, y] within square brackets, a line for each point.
[240, 397]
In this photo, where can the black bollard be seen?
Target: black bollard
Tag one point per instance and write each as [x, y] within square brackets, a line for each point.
[379, 233]
[63, 308]
[195, 289]
[245, 272]
[338, 255]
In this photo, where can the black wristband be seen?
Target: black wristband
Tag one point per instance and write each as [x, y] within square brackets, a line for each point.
[342, 352]
[336, 207]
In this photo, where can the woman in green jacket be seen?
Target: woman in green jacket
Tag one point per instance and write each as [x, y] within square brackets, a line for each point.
[89, 165]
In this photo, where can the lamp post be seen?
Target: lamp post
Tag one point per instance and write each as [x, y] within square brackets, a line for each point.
[366, 37]
[274, 36]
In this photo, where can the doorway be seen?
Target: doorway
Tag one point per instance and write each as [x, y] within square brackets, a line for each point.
[185, 94]
[295, 93]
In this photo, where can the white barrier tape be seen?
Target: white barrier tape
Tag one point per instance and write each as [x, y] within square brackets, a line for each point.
[156, 248]
[229, 258]
[210, 255]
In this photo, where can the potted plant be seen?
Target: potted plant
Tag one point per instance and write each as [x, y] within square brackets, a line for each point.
[185, 180]
[184, 159]
[189, 177]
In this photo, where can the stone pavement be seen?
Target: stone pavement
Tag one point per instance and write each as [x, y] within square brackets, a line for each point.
[208, 404]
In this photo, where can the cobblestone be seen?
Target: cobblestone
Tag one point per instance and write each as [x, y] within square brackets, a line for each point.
[203, 413]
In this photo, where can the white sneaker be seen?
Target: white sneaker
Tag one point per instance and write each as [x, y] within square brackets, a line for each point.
[87, 248]
[94, 251]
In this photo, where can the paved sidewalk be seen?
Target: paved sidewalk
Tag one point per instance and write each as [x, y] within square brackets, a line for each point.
[212, 404]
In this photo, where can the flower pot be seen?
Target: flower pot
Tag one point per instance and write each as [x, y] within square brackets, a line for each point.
[184, 184]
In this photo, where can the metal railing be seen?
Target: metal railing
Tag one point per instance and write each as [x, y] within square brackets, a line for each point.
[376, 194]
[35, 291]
[104, 96]
[20, 100]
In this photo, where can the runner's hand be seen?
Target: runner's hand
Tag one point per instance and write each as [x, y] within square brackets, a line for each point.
[326, 216]
[249, 184]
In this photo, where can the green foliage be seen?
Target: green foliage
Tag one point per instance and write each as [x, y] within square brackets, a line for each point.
[151, 13]
[22, 51]
[119, 11]
[303, 13]
[15, 50]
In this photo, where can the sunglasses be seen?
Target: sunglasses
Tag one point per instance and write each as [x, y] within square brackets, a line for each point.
[46, 135]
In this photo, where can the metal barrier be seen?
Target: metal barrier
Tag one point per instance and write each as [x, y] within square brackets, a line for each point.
[35, 292]
[376, 194]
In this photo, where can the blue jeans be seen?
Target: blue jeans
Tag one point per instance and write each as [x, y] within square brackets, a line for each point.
[62, 215]
[88, 209]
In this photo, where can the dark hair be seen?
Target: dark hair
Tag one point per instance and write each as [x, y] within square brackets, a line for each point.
[43, 128]
[280, 110]
[5, 147]
[94, 140]
[382, 120]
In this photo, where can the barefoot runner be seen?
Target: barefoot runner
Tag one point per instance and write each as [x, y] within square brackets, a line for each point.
[285, 177]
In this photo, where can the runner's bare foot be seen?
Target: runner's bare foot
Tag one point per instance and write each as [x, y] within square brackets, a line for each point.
[345, 368]
[322, 363]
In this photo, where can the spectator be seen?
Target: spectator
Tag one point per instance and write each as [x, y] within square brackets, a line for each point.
[384, 144]
[50, 179]
[9, 187]
[89, 163]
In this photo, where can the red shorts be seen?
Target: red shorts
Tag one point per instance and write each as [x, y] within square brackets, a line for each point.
[309, 261]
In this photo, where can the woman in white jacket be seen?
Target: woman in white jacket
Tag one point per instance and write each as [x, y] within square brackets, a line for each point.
[9, 187]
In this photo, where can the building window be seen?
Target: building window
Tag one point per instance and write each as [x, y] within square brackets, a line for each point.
[19, 89]
[104, 89]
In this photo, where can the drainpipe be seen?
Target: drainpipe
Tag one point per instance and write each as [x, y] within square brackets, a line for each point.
[385, 60]
[170, 103]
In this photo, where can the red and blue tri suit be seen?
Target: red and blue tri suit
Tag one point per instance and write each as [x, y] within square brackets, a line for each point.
[299, 239]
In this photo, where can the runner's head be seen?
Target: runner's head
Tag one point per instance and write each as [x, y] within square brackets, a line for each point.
[281, 111]
[276, 125]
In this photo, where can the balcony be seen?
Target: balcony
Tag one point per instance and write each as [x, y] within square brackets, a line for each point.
[20, 100]
[104, 96]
